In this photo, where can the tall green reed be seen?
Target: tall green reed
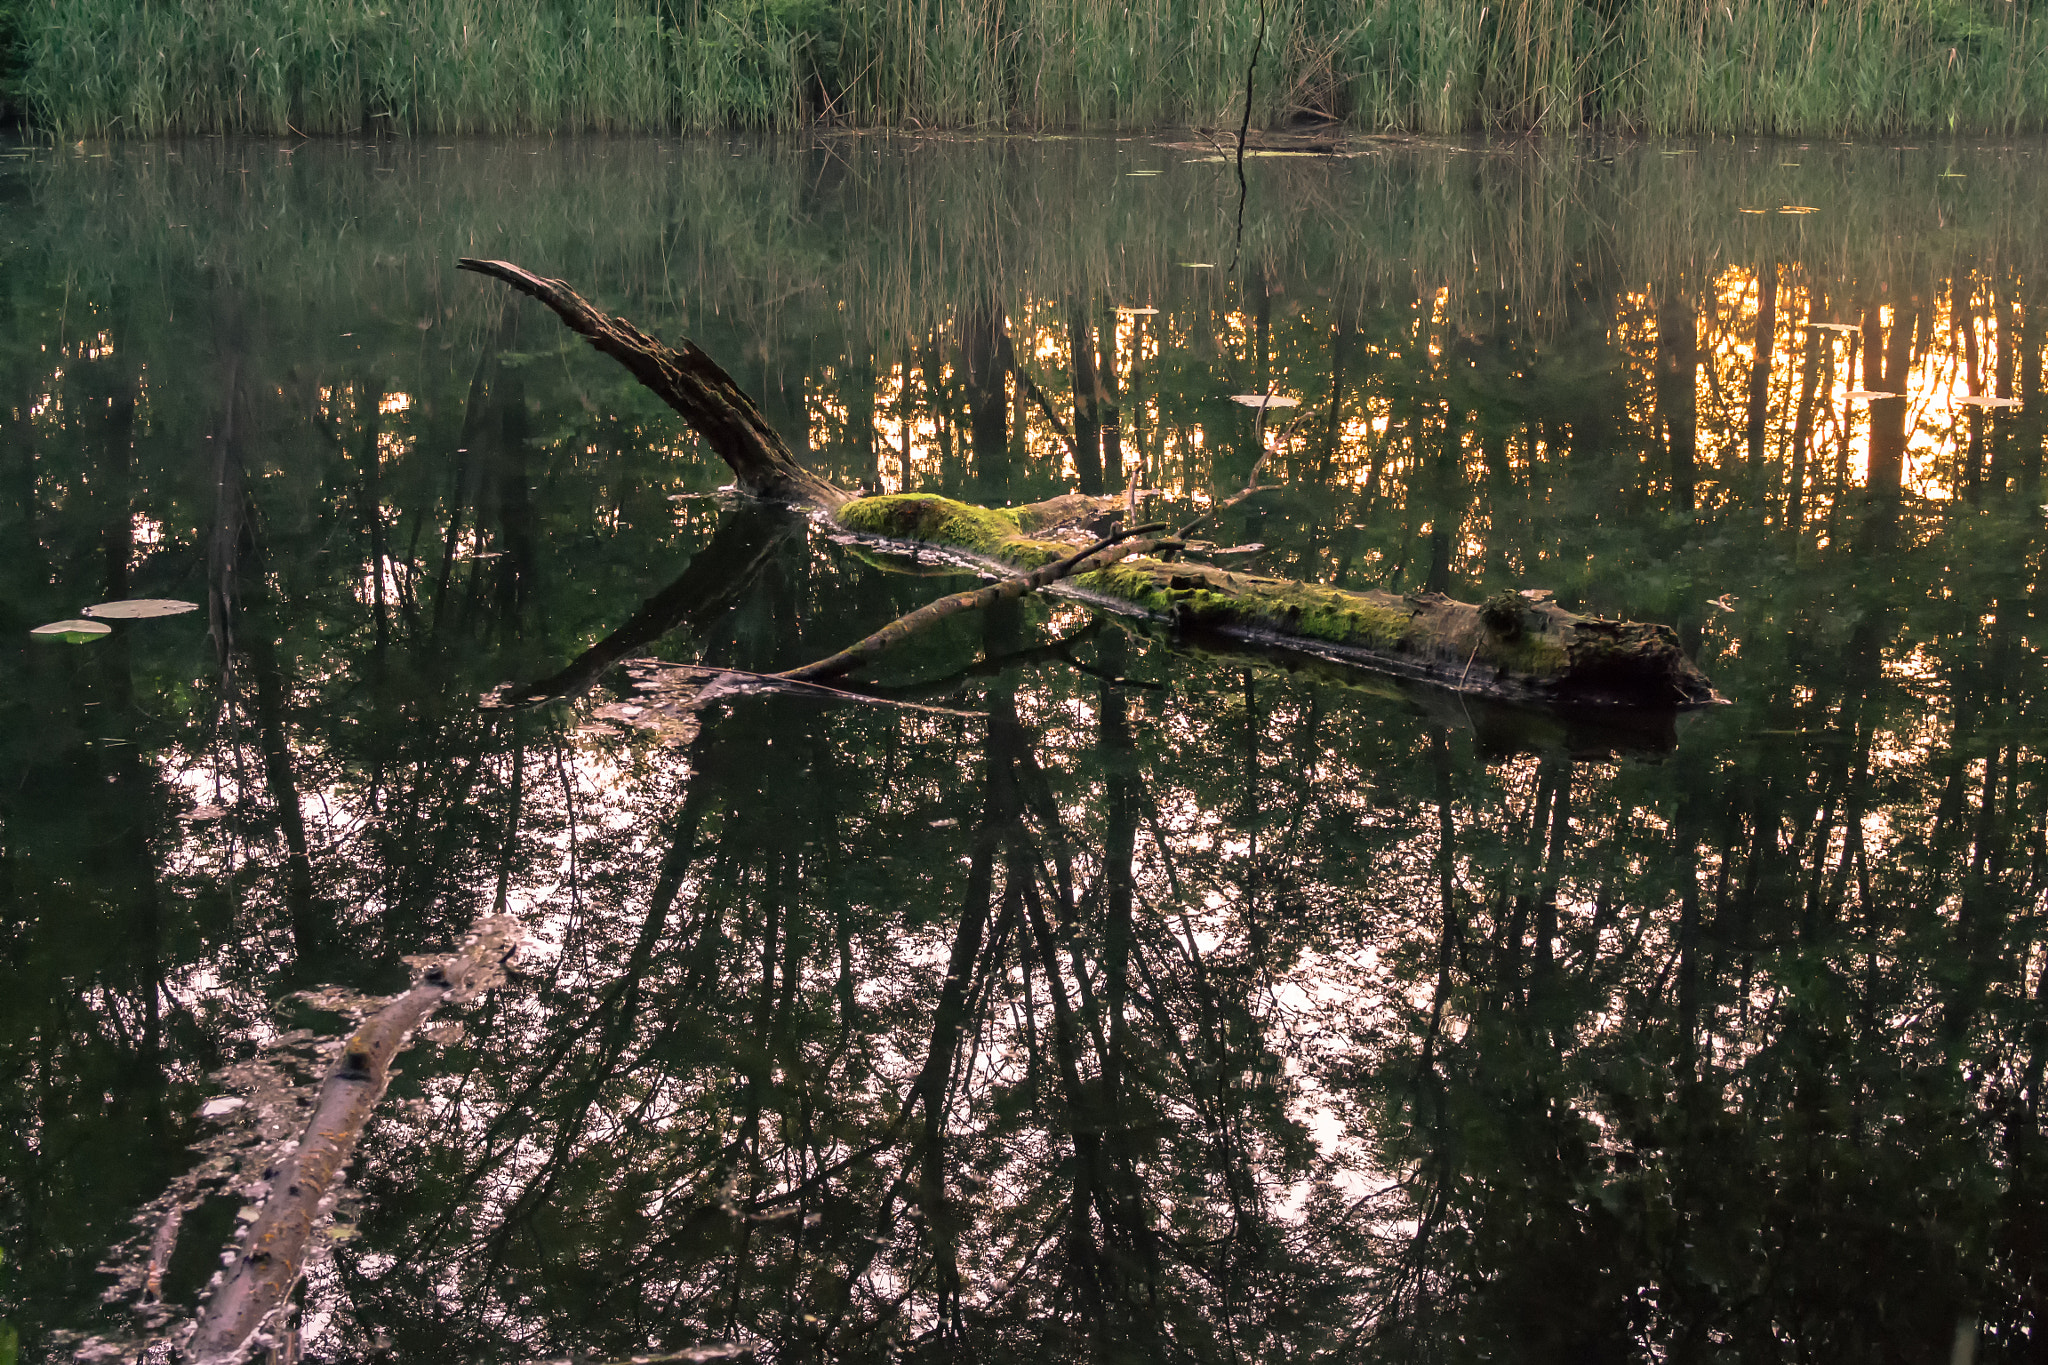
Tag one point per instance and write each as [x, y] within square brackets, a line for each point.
[150, 67]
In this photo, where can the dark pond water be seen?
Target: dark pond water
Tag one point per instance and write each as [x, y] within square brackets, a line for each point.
[1172, 1005]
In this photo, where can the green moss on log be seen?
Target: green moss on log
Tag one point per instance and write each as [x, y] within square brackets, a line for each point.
[1205, 597]
[1200, 595]
[992, 531]
[941, 521]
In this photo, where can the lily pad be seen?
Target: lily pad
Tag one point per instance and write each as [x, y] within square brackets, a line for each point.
[1265, 400]
[71, 632]
[140, 608]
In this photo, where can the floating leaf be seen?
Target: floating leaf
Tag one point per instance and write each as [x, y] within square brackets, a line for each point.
[140, 608]
[1141, 172]
[1199, 265]
[1137, 312]
[1797, 208]
[71, 632]
[1985, 400]
[1834, 326]
[1265, 400]
[1870, 394]
[1752, 210]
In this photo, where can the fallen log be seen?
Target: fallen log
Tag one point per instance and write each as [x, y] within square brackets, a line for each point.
[1517, 646]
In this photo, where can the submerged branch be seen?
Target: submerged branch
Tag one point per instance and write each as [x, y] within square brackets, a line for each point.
[1037, 395]
[679, 691]
[272, 1253]
[1100, 555]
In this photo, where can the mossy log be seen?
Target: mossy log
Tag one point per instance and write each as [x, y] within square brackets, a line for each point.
[1517, 646]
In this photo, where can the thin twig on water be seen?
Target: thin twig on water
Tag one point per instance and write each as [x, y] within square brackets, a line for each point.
[1244, 127]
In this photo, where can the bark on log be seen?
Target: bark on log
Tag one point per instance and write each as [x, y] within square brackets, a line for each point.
[688, 381]
[1515, 646]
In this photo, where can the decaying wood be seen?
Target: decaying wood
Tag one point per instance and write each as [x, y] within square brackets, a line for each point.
[272, 1252]
[1515, 646]
[690, 382]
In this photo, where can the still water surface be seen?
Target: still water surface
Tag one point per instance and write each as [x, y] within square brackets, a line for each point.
[1175, 1005]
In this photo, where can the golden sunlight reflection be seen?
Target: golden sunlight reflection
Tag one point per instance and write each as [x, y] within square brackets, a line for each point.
[1843, 381]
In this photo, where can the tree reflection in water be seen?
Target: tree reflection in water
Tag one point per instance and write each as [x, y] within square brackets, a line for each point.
[1181, 1006]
